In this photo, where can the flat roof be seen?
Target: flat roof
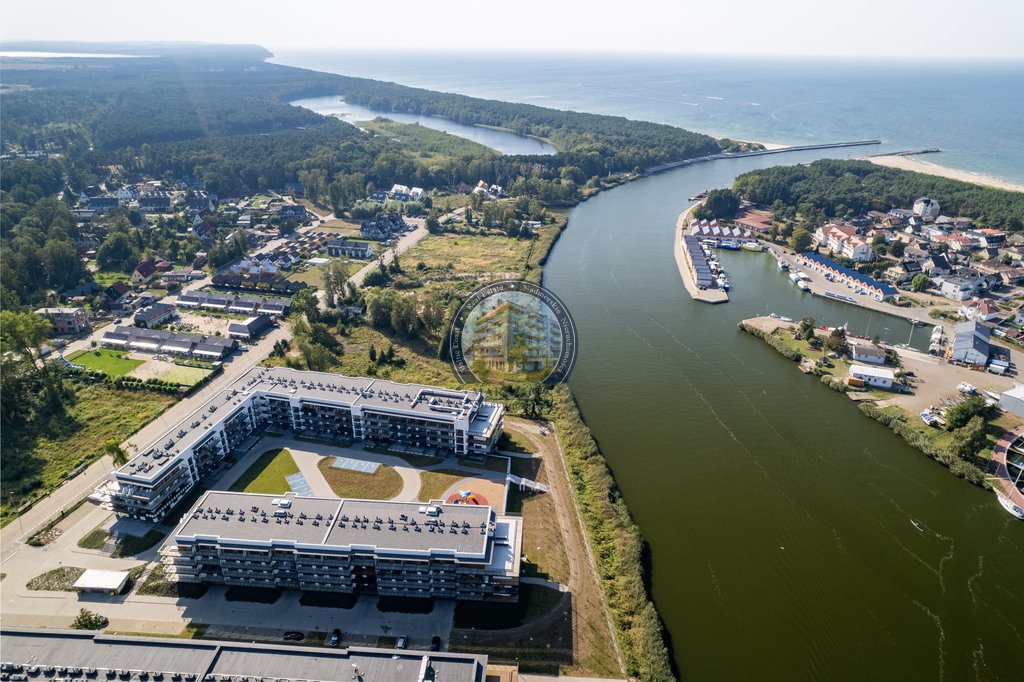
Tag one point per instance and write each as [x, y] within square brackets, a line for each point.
[342, 523]
[95, 579]
[427, 402]
[203, 658]
[864, 370]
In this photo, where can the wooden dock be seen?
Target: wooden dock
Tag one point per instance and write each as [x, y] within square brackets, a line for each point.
[686, 268]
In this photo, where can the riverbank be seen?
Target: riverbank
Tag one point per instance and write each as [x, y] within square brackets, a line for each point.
[918, 166]
[887, 407]
[686, 267]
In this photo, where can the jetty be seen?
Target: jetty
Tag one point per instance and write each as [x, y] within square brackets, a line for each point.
[757, 152]
[686, 266]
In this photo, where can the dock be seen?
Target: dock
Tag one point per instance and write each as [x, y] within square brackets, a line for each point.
[758, 152]
[686, 267]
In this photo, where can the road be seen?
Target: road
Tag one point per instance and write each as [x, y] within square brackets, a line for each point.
[405, 243]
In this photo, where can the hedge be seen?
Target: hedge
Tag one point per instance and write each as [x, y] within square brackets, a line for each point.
[616, 543]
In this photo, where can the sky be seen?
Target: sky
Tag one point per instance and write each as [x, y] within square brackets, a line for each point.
[941, 29]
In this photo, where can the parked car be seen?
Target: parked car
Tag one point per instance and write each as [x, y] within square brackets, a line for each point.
[435, 643]
[335, 638]
[294, 636]
[402, 642]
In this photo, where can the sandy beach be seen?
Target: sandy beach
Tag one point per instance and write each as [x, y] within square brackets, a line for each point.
[912, 164]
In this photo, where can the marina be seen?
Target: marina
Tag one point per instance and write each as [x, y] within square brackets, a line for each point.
[720, 407]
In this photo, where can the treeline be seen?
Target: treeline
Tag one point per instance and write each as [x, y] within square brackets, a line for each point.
[595, 143]
[834, 188]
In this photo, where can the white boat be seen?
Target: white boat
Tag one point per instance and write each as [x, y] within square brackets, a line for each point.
[794, 277]
[803, 286]
[783, 265]
[966, 388]
[1009, 506]
[752, 246]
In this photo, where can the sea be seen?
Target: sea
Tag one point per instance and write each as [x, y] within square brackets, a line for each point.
[972, 110]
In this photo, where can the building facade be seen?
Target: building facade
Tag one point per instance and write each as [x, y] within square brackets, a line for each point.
[66, 321]
[315, 404]
[403, 549]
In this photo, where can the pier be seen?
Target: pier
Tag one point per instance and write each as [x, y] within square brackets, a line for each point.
[686, 267]
[908, 152]
[758, 152]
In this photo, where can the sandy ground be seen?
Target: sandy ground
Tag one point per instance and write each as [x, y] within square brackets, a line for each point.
[935, 380]
[207, 325]
[912, 164]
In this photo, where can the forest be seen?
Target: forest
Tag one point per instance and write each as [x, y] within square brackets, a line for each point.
[833, 188]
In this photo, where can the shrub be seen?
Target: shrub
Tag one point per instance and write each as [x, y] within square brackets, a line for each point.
[89, 620]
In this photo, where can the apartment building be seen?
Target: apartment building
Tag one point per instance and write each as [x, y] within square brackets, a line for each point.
[407, 549]
[317, 404]
[66, 321]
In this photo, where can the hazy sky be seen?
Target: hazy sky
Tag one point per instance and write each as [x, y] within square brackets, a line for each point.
[876, 28]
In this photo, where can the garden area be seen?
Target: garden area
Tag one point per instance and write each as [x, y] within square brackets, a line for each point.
[113, 363]
[384, 484]
[268, 474]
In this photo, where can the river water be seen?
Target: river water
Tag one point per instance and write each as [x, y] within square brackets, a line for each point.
[503, 141]
[790, 537]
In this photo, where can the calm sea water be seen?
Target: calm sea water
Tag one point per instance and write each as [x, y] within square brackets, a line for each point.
[974, 112]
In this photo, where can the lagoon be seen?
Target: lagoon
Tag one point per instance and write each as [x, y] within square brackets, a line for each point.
[503, 141]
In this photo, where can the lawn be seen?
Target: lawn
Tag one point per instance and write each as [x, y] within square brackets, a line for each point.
[38, 457]
[383, 484]
[434, 483]
[267, 474]
[314, 275]
[113, 363]
[186, 376]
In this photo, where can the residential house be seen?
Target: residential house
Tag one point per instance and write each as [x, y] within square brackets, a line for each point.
[1012, 277]
[873, 377]
[881, 291]
[843, 239]
[144, 271]
[181, 276]
[66, 321]
[297, 211]
[103, 204]
[157, 202]
[970, 343]
[250, 329]
[117, 293]
[980, 310]
[158, 313]
[127, 194]
[275, 307]
[244, 305]
[962, 243]
[961, 288]
[936, 265]
[904, 271]
[349, 248]
[865, 351]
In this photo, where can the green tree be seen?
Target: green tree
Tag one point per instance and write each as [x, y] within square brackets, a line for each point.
[22, 333]
[958, 415]
[897, 248]
[807, 327]
[114, 449]
[89, 620]
[800, 240]
[117, 252]
[920, 283]
[969, 439]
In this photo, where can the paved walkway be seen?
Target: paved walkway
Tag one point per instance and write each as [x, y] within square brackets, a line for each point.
[1003, 477]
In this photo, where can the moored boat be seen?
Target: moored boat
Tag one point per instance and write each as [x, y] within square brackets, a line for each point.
[783, 265]
[752, 246]
[803, 286]
[729, 246]
[1009, 505]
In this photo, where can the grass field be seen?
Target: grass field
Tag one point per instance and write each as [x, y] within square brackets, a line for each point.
[186, 376]
[384, 484]
[267, 474]
[481, 253]
[314, 275]
[428, 144]
[38, 457]
[113, 363]
[434, 483]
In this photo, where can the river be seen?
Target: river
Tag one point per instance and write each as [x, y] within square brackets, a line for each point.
[503, 141]
[790, 537]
